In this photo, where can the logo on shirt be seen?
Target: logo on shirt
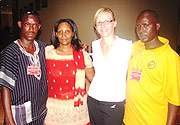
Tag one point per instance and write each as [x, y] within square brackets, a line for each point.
[113, 106]
[151, 65]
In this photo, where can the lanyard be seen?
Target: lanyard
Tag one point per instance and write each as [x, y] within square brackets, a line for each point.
[143, 61]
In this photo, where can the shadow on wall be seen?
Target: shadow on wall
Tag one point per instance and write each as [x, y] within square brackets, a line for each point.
[178, 50]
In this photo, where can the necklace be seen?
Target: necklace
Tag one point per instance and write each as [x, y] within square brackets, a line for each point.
[25, 48]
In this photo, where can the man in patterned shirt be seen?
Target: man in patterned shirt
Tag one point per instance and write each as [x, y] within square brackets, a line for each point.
[23, 75]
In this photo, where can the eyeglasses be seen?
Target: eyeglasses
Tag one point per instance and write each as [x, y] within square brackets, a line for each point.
[106, 22]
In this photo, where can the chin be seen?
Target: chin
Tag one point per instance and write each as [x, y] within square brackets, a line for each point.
[104, 34]
[30, 39]
[144, 40]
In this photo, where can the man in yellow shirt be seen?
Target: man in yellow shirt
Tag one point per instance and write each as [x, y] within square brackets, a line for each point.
[153, 82]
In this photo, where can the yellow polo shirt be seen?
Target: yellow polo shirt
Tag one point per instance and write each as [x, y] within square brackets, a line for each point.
[153, 81]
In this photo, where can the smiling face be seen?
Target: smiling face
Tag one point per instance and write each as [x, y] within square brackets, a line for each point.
[147, 27]
[64, 34]
[105, 24]
[29, 27]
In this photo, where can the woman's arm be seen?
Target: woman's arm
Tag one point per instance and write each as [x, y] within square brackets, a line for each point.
[89, 73]
[6, 102]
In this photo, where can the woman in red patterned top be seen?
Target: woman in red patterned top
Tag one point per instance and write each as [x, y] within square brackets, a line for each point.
[67, 67]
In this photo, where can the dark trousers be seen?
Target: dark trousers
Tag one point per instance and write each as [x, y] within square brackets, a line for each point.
[105, 113]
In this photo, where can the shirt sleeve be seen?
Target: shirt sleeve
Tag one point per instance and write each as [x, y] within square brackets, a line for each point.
[87, 60]
[8, 68]
[172, 78]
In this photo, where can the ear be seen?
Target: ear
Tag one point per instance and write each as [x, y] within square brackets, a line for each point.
[19, 24]
[115, 23]
[158, 26]
[39, 26]
[72, 34]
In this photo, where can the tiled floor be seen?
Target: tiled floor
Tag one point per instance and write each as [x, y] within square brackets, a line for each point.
[2, 114]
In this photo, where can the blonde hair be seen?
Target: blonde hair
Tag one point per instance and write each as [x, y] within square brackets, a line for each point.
[102, 10]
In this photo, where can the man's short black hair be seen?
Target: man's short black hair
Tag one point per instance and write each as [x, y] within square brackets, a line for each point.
[32, 12]
[154, 13]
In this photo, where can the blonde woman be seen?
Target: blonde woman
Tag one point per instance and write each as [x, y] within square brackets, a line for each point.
[106, 95]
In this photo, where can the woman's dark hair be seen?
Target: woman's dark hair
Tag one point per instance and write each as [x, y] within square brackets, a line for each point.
[30, 12]
[75, 39]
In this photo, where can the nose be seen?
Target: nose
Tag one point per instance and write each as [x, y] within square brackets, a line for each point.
[103, 24]
[30, 27]
[63, 34]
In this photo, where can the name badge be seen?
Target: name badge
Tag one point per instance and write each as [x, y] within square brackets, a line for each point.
[32, 70]
[136, 75]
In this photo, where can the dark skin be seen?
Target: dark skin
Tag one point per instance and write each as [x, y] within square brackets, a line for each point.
[29, 29]
[64, 35]
[147, 29]
[6, 102]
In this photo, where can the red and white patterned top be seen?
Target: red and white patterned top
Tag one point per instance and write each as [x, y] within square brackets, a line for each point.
[62, 73]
